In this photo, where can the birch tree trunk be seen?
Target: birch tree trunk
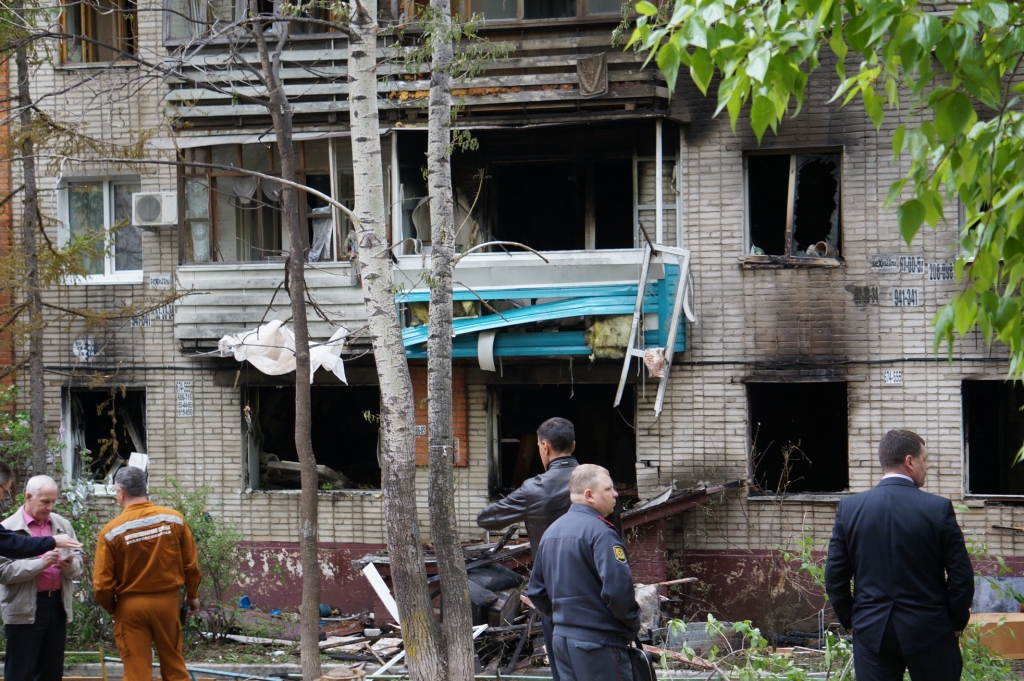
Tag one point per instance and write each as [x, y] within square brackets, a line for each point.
[398, 476]
[29, 245]
[281, 114]
[444, 524]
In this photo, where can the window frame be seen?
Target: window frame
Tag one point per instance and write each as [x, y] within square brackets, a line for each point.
[111, 275]
[463, 8]
[67, 452]
[127, 17]
[965, 449]
[240, 9]
[187, 173]
[789, 257]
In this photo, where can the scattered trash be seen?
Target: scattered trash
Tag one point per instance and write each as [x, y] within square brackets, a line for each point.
[274, 613]
[325, 610]
[244, 603]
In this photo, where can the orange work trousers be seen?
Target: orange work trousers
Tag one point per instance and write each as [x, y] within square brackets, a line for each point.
[142, 621]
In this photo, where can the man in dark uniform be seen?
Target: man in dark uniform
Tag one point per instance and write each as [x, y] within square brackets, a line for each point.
[914, 579]
[581, 578]
[542, 499]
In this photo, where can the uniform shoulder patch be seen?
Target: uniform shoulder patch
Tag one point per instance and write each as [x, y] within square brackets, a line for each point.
[620, 554]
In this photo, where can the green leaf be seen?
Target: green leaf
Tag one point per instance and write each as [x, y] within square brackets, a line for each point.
[762, 114]
[646, 8]
[898, 140]
[701, 69]
[995, 13]
[910, 216]
[757, 62]
[952, 114]
[668, 64]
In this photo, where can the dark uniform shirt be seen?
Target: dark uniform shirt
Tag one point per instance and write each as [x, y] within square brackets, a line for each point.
[538, 502]
[581, 578]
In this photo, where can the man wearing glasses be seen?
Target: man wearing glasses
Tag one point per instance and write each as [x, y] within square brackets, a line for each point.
[14, 545]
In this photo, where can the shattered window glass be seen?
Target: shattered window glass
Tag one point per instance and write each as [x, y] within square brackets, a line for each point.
[794, 205]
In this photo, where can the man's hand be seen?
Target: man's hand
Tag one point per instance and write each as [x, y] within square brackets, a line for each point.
[193, 606]
[67, 565]
[64, 541]
[50, 558]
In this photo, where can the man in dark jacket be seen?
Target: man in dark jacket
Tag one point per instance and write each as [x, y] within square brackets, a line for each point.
[581, 578]
[914, 583]
[16, 546]
[542, 499]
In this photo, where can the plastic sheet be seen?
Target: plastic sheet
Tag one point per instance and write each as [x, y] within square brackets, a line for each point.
[270, 349]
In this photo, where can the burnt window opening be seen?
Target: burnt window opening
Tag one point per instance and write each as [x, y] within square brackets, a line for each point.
[345, 435]
[794, 205]
[993, 434]
[102, 428]
[604, 434]
[563, 205]
[798, 434]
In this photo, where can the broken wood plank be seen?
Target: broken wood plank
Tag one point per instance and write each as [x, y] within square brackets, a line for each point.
[294, 467]
[377, 582]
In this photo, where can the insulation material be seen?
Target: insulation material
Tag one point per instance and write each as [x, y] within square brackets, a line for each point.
[593, 75]
[419, 313]
[654, 360]
[608, 336]
[271, 350]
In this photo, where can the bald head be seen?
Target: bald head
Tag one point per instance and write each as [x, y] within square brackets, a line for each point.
[40, 496]
[592, 486]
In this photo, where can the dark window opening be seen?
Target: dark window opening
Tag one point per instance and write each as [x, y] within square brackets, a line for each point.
[993, 434]
[604, 435]
[548, 9]
[563, 205]
[103, 429]
[345, 434]
[793, 204]
[799, 436]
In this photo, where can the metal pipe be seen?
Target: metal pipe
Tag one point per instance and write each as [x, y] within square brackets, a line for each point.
[215, 672]
[658, 162]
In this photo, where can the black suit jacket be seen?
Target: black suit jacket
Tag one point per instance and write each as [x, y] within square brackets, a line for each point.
[906, 556]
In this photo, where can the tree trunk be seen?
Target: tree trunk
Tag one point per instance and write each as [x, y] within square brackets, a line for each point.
[444, 524]
[30, 223]
[398, 477]
[281, 114]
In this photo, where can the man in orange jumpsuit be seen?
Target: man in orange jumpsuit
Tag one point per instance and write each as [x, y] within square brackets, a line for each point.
[143, 558]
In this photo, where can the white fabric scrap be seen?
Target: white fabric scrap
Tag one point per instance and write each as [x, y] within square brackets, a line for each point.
[270, 349]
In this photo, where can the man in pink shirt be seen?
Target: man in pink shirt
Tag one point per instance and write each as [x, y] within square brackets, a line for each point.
[35, 593]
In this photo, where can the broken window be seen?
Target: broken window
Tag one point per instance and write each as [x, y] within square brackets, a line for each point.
[993, 434]
[793, 204]
[233, 217]
[604, 434]
[798, 434]
[100, 212]
[345, 435]
[102, 30]
[102, 428]
[562, 205]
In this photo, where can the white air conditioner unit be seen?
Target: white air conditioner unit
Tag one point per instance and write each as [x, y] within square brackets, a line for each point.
[150, 209]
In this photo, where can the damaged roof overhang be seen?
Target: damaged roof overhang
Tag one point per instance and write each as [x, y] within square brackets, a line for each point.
[675, 504]
[565, 301]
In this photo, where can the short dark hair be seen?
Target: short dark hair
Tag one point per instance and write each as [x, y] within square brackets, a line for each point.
[896, 445]
[559, 433]
[6, 474]
[132, 480]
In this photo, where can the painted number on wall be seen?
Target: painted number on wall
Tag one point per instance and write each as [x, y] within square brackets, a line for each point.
[183, 392]
[892, 377]
[941, 271]
[906, 297]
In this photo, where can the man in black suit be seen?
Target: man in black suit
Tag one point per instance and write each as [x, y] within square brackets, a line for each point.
[913, 578]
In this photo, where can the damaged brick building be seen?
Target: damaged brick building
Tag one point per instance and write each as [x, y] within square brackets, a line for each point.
[802, 320]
